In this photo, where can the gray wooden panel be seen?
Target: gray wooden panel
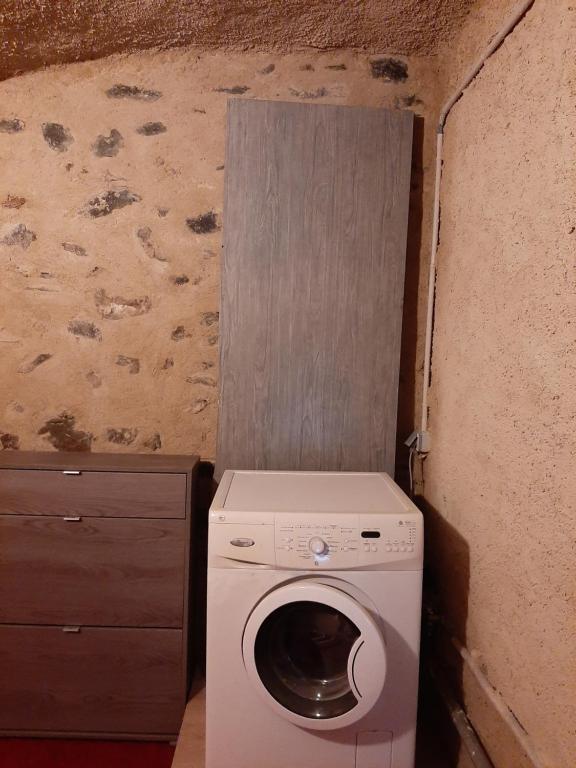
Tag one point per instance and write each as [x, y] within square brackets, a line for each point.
[316, 208]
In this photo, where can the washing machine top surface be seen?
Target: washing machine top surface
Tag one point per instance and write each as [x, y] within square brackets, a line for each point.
[314, 520]
[322, 492]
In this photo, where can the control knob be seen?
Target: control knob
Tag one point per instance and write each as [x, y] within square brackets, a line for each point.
[318, 546]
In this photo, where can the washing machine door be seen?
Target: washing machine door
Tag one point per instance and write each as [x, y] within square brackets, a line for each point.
[315, 654]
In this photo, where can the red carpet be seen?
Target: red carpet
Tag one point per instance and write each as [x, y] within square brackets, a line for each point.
[57, 753]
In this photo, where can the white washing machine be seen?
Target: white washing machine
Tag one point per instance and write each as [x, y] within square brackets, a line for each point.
[314, 593]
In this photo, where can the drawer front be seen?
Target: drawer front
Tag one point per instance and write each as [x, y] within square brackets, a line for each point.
[92, 494]
[96, 571]
[94, 681]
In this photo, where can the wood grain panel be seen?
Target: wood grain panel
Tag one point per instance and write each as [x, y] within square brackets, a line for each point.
[96, 680]
[316, 207]
[92, 494]
[96, 571]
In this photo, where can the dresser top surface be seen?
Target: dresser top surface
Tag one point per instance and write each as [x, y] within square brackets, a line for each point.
[99, 462]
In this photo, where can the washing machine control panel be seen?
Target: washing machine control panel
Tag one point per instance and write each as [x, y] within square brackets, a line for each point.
[346, 541]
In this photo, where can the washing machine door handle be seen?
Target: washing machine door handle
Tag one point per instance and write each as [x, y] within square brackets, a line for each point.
[354, 651]
[366, 663]
[367, 668]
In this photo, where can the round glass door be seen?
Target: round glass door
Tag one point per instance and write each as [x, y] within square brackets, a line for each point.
[315, 655]
[302, 651]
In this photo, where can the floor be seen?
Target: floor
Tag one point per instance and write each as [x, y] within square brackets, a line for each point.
[60, 753]
[432, 750]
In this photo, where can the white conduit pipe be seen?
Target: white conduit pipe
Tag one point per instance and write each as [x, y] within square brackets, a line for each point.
[515, 17]
[498, 703]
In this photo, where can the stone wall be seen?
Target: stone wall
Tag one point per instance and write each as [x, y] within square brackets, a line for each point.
[110, 233]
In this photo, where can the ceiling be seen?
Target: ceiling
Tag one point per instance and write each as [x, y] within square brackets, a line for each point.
[34, 33]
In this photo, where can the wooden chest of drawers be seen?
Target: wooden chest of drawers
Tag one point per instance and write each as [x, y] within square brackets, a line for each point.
[94, 593]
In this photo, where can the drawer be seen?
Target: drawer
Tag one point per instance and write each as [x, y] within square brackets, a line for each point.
[97, 571]
[92, 494]
[94, 681]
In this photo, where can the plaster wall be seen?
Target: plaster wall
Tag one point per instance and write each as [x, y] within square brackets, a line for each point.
[499, 482]
[110, 233]
[35, 33]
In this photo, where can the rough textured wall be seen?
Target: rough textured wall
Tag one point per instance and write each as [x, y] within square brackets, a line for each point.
[34, 33]
[484, 19]
[500, 479]
[110, 232]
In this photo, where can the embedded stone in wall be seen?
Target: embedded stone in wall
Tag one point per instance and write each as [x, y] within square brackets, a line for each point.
[169, 362]
[199, 405]
[93, 378]
[210, 318]
[132, 92]
[32, 364]
[144, 234]
[267, 69]
[21, 236]
[41, 288]
[62, 435]
[213, 340]
[13, 201]
[117, 308]
[132, 363]
[336, 67]
[113, 200]
[85, 328]
[179, 333]
[108, 146]
[9, 442]
[390, 69]
[121, 436]
[163, 212]
[75, 249]
[154, 442]
[317, 94]
[57, 136]
[410, 100]
[169, 170]
[11, 126]
[151, 129]
[235, 90]
[180, 279]
[203, 224]
[205, 381]
[306, 68]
